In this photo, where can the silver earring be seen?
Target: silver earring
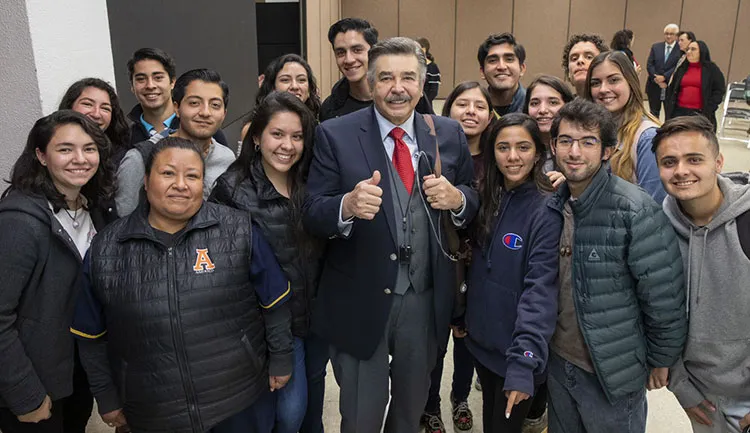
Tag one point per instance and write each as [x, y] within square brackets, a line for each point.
[257, 147]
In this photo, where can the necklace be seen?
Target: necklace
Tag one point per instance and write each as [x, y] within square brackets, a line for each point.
[74, 217]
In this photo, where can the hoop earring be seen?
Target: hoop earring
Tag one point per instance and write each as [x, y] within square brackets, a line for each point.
[257, 147]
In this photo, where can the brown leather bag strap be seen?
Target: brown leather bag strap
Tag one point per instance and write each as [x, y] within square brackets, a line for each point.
[450, 229]
[438, 163]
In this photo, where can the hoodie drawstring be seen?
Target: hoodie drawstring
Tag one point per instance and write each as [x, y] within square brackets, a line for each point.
[700, 269]
[690, 263]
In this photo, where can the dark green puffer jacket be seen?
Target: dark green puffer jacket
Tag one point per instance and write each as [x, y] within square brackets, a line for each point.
[627, 282]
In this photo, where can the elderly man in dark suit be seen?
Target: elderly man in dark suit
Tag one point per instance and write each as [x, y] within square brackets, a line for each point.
[662, 61]
[377, 192]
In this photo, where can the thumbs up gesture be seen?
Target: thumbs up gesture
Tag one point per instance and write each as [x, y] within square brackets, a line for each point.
[364, 200]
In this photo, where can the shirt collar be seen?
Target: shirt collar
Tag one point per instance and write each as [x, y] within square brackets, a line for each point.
[671, 46]
[167, 122]
[386, 126]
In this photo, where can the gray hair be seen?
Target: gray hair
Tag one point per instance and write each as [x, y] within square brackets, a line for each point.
[672, 26]
[396, 46]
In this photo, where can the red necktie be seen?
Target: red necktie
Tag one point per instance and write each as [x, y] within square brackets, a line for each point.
[402, 158]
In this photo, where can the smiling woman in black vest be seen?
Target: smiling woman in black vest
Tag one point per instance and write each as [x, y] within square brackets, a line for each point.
[193, 306]
[268, 180]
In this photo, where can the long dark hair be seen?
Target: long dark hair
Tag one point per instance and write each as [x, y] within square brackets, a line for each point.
[621, 40]
[242, 167]
[30, 177]
[118, 130]
[269, 81]
[493, 184]
[705, 54]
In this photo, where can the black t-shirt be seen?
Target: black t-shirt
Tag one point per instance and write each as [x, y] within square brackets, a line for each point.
[167, 239]
[501, 110]
[351, 105]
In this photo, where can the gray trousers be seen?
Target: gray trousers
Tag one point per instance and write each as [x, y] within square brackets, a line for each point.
[411, 341]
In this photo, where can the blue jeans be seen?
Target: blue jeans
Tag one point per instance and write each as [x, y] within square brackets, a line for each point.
[316, 361]
[577, 403]
[463, 371]
[257, 418]
[291, 400]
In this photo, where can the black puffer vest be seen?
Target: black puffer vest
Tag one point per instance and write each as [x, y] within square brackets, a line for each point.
[186, 336]
[271, 212]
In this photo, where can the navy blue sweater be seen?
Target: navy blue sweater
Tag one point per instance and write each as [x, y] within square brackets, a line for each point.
[512, 289]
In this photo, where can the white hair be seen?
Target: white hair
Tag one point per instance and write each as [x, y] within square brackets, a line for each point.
[672, 26]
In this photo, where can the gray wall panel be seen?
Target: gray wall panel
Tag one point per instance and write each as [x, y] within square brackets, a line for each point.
[714, 26]
[20, 105]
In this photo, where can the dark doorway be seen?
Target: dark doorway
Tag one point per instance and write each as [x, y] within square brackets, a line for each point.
[279, 31]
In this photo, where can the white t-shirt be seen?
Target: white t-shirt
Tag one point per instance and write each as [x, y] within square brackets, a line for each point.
[81, 235]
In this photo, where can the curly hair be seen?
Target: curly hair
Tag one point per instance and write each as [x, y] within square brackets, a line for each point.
[581, 37]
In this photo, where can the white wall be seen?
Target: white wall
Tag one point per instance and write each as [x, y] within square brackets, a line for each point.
[45, 46]
[71, 41]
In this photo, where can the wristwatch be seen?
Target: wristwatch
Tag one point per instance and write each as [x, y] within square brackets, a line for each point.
[746, 429]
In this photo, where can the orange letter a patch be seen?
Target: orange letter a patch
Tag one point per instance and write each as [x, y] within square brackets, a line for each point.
[203, 263]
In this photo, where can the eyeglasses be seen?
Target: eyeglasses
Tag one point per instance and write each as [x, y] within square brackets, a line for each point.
[566, 142]
[669, 34]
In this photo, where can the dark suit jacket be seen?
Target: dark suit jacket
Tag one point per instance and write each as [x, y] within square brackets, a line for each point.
[352, 306]
[656, 64]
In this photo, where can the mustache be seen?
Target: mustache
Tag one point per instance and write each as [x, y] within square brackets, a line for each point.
[398, 98]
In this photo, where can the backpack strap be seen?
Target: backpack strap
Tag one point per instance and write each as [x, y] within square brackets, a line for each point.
[438, 163]
[645, 124]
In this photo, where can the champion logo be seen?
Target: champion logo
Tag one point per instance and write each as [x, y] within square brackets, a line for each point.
[594, 256]
[203, 263]
[528, 354]
[512, 241]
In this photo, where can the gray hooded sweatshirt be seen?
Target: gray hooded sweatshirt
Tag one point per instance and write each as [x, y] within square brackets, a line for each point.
[716, 360]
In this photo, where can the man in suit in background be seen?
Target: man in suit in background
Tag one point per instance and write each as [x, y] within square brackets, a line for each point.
[662, 61]
[388, 282]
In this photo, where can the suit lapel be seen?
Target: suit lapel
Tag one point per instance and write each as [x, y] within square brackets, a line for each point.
[372, 147]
